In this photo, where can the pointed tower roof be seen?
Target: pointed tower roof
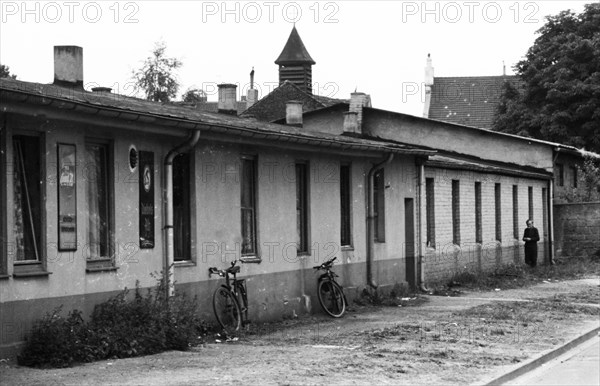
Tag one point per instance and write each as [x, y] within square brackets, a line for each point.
[294, 51]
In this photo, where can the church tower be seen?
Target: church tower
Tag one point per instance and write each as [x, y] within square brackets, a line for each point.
[295, 63]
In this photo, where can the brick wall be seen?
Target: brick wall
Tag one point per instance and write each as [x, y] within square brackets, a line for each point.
[577, 229]
[446, 258]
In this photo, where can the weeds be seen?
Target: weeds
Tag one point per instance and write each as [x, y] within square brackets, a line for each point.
[118, 328]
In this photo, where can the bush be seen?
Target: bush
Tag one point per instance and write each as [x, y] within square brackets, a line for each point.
[118, 328]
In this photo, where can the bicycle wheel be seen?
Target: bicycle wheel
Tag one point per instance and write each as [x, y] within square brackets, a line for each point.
[331, 298]
[242, 299]
[227, 310]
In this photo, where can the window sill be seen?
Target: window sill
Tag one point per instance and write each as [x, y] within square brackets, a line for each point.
[187, 263]
[251, 259]
[4, 276]
[18, 275]
[347, 248]
[101, 269]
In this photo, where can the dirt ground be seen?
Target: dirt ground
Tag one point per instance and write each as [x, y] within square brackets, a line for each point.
[441, 340]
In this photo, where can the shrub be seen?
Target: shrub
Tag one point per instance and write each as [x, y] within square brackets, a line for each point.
[123, 326]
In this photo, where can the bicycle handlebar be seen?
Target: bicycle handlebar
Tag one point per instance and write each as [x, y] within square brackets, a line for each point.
[222, 272]
[326, 264]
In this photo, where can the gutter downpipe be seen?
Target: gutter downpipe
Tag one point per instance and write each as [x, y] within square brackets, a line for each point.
[550, 204]
[421, 189]
[170, 252]
[371, 218]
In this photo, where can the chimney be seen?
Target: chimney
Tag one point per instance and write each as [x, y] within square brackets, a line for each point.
[68, 66]
[252, 94]
[428, 85]
[227, 99]
[293, 113]
[351, 122]
[358, 100]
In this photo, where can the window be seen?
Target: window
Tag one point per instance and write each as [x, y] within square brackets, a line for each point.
[248, 205]
[182, 207]
[27, 193]
[545, 212]
[302, 208]
[561, 174]
[430, 211]
[530, 200]
[515, 202]
[498, 210]
[379, 206]
[99, 187]
[3, 184]
[456, 212]
[346, 206]
[478, 228]
[574, 176]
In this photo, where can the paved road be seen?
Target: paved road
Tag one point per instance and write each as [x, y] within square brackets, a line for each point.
[579, 366]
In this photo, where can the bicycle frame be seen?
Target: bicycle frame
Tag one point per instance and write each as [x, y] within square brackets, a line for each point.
[237, 287]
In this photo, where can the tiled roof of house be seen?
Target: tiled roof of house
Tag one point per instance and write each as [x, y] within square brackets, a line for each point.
[272, 107]
[18, 94]
[294, 51]
[209, 107]
[469, 101]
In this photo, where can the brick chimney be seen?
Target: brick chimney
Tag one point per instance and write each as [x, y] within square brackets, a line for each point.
[252, 94]
[227, 99]
[428, 85]
[358, 100]
[293, 113]
[351, 122]
[68, 66]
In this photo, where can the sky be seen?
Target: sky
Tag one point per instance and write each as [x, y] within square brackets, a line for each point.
[377, 47]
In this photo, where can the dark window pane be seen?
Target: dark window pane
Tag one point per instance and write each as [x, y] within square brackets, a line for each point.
[430, 211]
[181, 207]
[345, 205]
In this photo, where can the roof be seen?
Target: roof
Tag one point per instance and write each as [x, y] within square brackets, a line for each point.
[294, 51]
[449, 162]
[272, 107]
[103, 106]
[210, 107]
[469, 101]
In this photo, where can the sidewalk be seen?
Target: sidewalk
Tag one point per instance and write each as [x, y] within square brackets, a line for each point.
[438, 342]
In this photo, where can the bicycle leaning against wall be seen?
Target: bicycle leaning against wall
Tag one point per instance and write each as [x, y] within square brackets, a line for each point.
[230, 300]
[330, 293]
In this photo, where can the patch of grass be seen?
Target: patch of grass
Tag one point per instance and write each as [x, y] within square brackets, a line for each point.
[399, 296]
[517, 276]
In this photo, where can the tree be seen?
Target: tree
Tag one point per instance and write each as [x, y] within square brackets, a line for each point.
[157, 76]
[194, 95]
[560, 99]
[5, 72]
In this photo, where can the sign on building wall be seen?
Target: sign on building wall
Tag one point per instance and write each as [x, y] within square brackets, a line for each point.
[146, 170]
[67, 200]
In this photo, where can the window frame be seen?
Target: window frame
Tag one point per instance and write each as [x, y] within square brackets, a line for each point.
[478, 215]
[379, 206]
[498, 210]
[430, 211]
[188, 202]
[346, 239]
[456, 212]
[574, 176]
[108, 262]
[252, 255]
[31, 267]
[561, 174]
[530, 202]
[515, 203]
[302, 208]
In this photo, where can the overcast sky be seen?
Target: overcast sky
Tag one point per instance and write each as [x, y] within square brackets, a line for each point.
[378, 47]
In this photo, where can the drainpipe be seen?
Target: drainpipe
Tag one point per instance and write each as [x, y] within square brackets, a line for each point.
[550, 203]
[170, 252]
[371, 217]
[420, 190]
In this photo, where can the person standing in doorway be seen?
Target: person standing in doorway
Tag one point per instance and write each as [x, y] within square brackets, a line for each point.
[531, 237]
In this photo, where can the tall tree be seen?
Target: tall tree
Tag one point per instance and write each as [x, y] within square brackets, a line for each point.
[5, 72]
[157, 77]
[560, 98]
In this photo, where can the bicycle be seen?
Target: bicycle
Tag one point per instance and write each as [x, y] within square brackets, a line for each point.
[230, 300]
[330, 293]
